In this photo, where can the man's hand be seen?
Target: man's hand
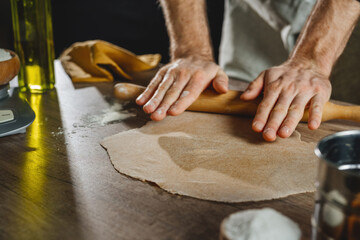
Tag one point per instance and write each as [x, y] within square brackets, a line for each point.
[178, 84]
[303, 80]
[288, 89]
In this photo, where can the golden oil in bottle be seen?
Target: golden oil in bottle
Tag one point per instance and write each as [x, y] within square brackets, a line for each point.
[34, 44]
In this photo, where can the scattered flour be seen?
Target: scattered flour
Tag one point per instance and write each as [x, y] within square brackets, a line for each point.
[260, 224]
[4, 55]
[114, 114]
[110, 117]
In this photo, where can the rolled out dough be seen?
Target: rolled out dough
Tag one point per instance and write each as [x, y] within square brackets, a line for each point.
[214, 157]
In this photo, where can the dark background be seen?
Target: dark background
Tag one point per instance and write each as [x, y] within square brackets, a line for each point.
[137, 25]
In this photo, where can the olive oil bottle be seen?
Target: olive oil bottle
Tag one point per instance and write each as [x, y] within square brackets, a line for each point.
[34, 44]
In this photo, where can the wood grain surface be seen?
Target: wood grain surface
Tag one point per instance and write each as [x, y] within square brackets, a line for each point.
[57, 182]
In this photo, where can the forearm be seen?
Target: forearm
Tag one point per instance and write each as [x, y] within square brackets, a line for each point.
[326, 33]
[187, 26]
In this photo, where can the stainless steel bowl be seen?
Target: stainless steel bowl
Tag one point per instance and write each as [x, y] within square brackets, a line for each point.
[337, 201]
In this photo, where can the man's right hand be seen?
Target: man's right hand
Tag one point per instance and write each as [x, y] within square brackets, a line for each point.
[178, 84]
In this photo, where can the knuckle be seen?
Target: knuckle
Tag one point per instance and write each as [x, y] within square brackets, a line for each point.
[302, 88]
[166, 83]
[178, 107]
[272, 74]
[172, 92]
[162, 70]
[160, 74]
[184, 76]
[254, 84]
[292, 88]
[171, 72]
[291, 121]
[155, 80]
[162, 87]
[296, 108]
[318, 84]
[285, 97]
[152, 84]
[155, 101]
[262, 114]
[199, 75]
[147, 92]
[317, 88]
[316, 105]
[295, 116]
[174, 106]
[183, 72]
[273, 86]
[163, 107]
[316, 108]
[190, 97]
[279, 109]
[196, 85]
[264, 105]
[313, 81]
[222, 78]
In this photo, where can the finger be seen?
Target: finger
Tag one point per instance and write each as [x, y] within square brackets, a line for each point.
[159, 94]
[171, 96]
[151, 88]
[295, 113]
[315, 111]
[264, 109]
[254, 88]
[277, 115]
[220, 82]
[191, 92]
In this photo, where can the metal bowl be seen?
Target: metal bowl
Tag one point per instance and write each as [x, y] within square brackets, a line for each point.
[337, 205]
[342, 151]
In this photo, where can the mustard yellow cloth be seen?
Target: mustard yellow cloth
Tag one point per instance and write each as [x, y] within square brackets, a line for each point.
[97, 61]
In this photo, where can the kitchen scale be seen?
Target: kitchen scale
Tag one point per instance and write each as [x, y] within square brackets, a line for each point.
[15, 113]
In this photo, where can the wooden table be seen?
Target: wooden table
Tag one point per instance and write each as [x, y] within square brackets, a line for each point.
[57, 182]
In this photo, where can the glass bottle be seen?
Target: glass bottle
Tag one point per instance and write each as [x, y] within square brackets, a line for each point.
[34, 44]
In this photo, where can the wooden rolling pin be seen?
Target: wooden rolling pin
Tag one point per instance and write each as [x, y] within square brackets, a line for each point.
[230, 103]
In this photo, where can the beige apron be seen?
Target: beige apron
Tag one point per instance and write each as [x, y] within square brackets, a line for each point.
[259, 34]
